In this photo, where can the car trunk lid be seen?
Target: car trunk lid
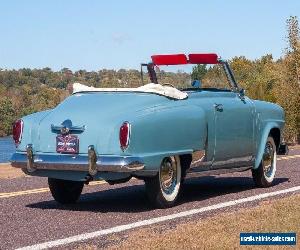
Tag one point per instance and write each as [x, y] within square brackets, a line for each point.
[96, 118]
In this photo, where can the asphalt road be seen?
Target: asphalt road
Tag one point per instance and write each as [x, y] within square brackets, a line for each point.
[29, 215]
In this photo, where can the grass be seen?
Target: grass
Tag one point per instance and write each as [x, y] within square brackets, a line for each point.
[220, 231]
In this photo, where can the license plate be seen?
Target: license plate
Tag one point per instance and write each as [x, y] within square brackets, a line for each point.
[67, 144]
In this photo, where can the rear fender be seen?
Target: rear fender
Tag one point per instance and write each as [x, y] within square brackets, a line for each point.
[175, 130]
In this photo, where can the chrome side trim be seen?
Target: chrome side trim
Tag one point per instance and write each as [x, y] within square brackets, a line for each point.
[233, 163]
[198, 173]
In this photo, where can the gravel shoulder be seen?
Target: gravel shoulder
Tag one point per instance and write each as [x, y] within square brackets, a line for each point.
[8, 172]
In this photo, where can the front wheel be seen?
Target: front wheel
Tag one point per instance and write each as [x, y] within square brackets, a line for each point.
[163, 189]
[65, 191]
[264, 175]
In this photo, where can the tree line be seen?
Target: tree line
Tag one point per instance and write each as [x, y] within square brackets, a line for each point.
[25, 91]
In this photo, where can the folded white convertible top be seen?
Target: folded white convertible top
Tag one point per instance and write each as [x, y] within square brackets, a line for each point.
[148, 88]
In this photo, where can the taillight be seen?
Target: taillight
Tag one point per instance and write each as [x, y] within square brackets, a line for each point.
[17, 131]
[124, 135]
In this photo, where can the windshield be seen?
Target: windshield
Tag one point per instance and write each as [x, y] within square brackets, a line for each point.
[188, 77]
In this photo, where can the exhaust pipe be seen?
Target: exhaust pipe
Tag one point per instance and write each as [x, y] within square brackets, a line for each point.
[87, 179]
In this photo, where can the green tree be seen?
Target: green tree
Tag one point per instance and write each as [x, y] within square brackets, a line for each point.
[198, 72]
[287, 91]
[7, 116]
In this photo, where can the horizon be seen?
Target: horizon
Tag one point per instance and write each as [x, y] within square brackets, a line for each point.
[173, 68]
[95, 35]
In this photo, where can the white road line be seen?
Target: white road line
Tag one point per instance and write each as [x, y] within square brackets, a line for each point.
[121, 228]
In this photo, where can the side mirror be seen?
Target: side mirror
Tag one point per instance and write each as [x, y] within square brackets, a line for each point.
[242, 93]
[196, 84]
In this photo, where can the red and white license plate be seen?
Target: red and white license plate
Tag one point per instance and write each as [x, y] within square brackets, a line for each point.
[67, 144]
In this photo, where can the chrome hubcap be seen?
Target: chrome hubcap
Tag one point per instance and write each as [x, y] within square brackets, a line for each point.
[268, 159]
[168, 174]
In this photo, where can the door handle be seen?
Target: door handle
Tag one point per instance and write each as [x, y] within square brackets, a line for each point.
[218, 107]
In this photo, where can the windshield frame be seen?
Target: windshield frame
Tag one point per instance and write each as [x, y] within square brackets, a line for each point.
[225, 65]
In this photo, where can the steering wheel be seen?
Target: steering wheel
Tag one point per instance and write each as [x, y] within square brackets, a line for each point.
[168, 84]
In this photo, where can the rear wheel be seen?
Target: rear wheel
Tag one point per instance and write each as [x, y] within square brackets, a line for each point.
[65, 191]
[163, 189]
[264, 175]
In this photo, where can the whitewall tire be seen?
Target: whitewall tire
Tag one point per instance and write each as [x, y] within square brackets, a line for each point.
[264, 175]
[163, 189]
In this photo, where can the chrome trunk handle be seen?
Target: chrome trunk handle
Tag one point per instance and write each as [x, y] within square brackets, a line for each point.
[66, 127]
[65, 130]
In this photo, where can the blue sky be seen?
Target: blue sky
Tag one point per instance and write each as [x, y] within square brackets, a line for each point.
[120, 34]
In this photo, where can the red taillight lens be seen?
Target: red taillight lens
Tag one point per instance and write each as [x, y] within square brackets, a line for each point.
[17, 131]
[124, 135]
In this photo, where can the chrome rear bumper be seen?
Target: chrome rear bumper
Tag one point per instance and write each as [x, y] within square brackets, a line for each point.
[91, 163]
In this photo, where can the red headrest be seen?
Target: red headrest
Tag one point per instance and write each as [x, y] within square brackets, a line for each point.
[203, 58]
[169, 59]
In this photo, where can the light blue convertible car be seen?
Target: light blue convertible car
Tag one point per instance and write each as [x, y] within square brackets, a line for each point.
[155, 132]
